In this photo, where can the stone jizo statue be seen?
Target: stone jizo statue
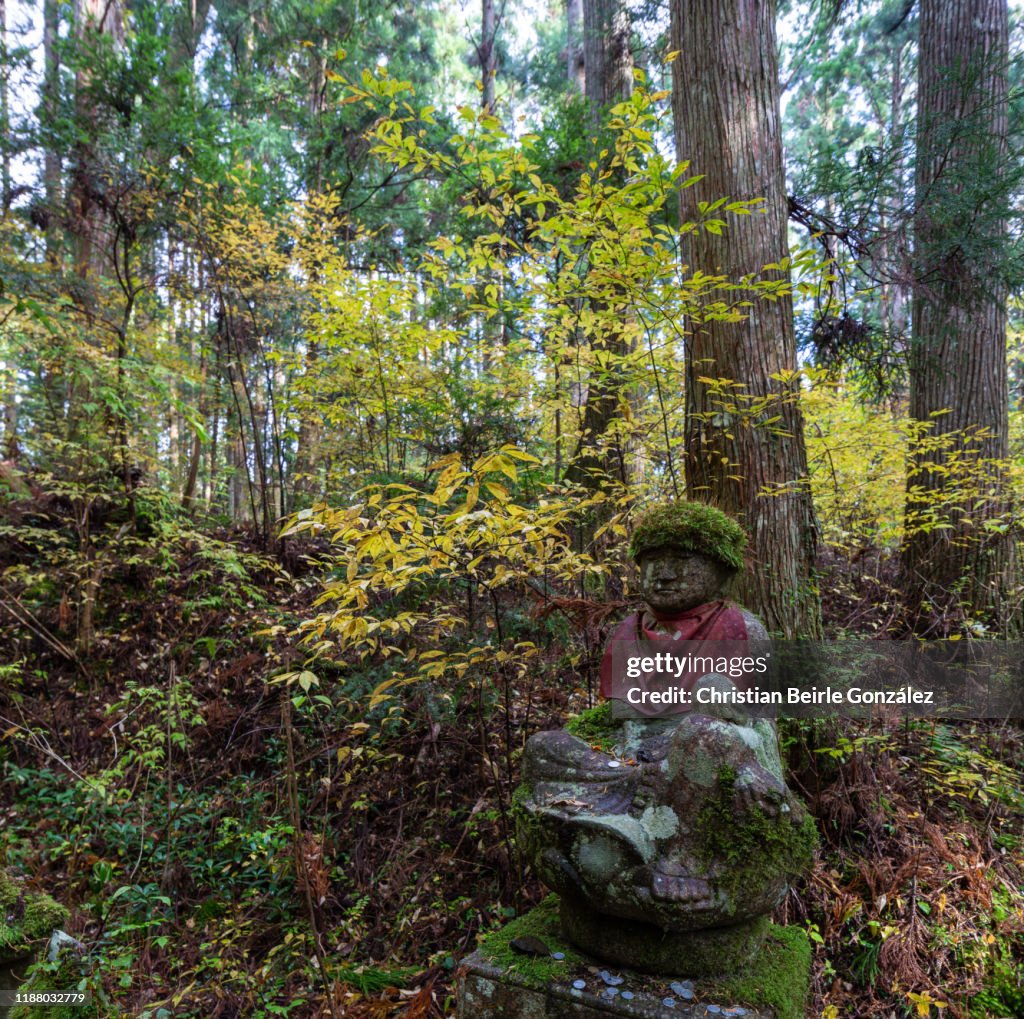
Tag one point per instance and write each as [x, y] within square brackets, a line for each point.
[671, 838]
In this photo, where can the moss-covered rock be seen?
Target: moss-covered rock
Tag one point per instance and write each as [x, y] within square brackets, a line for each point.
[753, 846]
[26, 919]
[778, 978]
[596, 726]
[540, 922]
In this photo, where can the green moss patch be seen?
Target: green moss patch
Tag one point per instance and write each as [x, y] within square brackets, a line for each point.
[693, 527]
[596, 726]
[778, 978]
[26, 919]
[540, 922]
[754, 846]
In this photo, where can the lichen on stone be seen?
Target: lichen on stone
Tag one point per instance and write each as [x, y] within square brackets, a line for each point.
[661, 822]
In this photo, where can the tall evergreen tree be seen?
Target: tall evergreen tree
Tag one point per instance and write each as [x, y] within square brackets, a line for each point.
[958, 557]
[847, 130]
[608, 79]
[726, 107]
[607, 60]
[574, 66]
[99, 27]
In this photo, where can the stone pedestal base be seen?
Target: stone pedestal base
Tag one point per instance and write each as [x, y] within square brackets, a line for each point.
[487, 991]
[497, 982]
[640, 946]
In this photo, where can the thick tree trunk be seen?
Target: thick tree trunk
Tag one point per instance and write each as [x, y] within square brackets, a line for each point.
[607, 60]
[726, 105]
[574, 60]
[603, 449]
[95, 21]
[956, 568]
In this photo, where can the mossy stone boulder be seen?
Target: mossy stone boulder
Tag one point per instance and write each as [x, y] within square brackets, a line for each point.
[27, 919]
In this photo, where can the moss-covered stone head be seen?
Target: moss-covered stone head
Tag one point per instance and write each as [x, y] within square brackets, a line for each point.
[690, 527]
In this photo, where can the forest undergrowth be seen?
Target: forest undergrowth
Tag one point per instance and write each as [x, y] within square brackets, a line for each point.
[230, 846]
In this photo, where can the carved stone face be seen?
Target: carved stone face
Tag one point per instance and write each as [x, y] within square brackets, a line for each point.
[673, 581]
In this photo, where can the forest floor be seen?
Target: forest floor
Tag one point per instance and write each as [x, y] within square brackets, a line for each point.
[153, 783]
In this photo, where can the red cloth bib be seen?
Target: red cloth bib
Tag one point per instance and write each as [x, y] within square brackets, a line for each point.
[717, 620]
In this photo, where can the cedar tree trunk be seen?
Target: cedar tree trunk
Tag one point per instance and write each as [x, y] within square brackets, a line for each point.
[725, 97]
[958, 556]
